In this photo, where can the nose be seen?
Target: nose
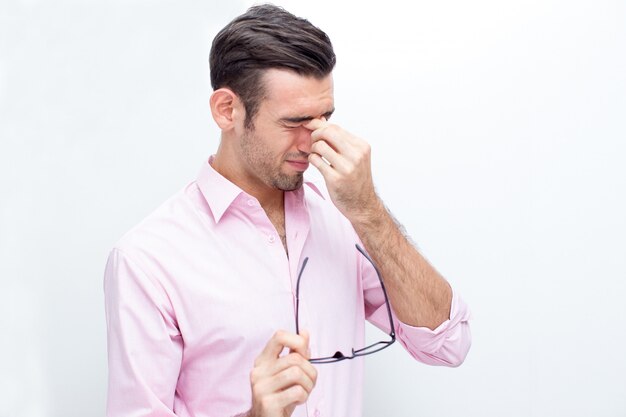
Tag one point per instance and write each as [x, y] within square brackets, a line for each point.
[303, 140]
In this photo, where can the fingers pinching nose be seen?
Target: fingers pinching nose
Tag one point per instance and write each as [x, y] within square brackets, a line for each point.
[315, 124]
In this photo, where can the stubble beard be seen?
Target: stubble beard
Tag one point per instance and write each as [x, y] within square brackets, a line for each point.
[260, 160]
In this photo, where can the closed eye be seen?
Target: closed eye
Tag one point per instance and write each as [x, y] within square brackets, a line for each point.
[288, 121]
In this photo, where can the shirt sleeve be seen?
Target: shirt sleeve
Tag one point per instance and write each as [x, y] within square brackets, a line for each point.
[447, 345]
[144, 344]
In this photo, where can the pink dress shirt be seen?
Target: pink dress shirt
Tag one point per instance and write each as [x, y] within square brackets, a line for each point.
[194, 292]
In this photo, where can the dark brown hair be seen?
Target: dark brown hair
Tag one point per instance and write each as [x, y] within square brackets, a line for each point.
[265, 37]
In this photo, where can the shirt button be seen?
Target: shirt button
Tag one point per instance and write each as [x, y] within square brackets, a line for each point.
[271, 238]
[316, 413]
[250, 202]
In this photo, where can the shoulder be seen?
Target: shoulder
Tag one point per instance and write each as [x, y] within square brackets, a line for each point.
[175, 218]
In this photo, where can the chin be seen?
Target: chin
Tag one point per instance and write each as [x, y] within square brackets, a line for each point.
[289, 183]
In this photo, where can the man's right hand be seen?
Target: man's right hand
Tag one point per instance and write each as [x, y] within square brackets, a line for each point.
[279, 383]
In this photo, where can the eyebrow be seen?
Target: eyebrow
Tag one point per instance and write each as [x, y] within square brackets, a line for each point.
[305, 118]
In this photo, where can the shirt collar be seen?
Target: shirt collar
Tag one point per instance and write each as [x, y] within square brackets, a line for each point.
[220, 193]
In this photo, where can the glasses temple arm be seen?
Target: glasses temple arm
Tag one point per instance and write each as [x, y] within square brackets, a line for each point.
[382, 285]
[298, 294]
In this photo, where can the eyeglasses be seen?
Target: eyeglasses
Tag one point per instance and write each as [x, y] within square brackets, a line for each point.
[368, 350]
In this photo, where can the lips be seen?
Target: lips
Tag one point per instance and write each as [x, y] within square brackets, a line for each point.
[299, 165]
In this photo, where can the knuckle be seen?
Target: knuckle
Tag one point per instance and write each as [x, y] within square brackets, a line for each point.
[332, 128]
[294, 359]
[254, 376]
[257, 393]
[302, 344]
[266, 403]
[291, 375]
[294, 373]
[300, 394]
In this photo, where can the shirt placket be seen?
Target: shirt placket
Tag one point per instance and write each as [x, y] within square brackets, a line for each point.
[297, 227]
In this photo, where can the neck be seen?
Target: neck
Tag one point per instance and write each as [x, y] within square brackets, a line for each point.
[269, 198]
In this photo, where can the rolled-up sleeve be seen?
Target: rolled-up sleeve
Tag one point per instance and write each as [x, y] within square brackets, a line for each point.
[447, 345]
[144, 344]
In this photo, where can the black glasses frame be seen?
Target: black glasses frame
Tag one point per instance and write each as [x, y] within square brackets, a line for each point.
[367, 350]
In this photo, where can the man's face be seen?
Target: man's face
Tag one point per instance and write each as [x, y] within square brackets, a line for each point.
[274, 152]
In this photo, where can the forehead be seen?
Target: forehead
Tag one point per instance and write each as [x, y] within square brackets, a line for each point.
[290, 94]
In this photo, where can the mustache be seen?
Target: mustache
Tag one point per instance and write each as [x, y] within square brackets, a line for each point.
[297, 155]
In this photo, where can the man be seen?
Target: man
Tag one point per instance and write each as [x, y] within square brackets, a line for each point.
[246, 293]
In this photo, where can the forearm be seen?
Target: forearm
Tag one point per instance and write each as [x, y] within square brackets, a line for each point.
[419, 295]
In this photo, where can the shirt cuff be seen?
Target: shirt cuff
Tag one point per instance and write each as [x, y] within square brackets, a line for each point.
[447, 345]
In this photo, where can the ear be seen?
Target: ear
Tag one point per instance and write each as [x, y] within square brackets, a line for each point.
[226, 108]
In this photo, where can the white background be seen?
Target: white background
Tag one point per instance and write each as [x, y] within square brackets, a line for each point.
[498, 131]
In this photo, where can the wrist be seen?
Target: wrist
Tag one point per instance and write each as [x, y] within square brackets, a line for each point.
[369, 216]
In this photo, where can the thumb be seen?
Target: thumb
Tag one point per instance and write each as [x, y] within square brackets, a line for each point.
[305, 334]
[308, 347]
